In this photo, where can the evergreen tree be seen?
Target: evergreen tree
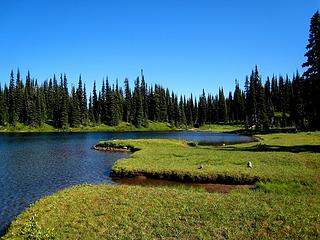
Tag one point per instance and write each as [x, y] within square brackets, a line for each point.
[268, 101]
[75, 111]
[127, 101]
[80, 97]
[144, 99]
[94, 103]
[137, 105]
[19, 97]
[182, 107]
[312, 72]
[3, 108]
[12, 107]
[64, 106]
[262, 119]
[222, 107]
[298, 101]
[202, 109]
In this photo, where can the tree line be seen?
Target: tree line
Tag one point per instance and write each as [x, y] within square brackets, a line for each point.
[280, 102]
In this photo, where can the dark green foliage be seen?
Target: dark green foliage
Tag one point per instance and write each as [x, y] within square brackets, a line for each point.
[222, 107]
[75, 111]
[127, 101]
[12, 106]
[276, 103]
[202, 109]
[312, 73]
[137, 105]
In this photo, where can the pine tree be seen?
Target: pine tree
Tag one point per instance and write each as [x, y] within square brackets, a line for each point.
[127, 101]
[64, 106]
[84, 106]
[12, 107]
[74, 108]
[298, 102]
[222, 107]
[144, 99]
[4, 104]
[56, 103]
[137, 105]
[19, 97]
[80, 97]
[268, 101]
[262, 119]
[202, 109]
[182, 107]
[312, 72]
[2, 108]
[96, 117]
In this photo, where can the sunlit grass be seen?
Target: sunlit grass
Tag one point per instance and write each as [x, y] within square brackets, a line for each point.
[284, 205]
[127, 212]
[276, 158]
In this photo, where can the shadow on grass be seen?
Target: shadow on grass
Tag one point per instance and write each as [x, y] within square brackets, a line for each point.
[276, 148]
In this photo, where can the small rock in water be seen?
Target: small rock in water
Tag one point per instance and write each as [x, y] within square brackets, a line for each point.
[249, 165]
[200, 167]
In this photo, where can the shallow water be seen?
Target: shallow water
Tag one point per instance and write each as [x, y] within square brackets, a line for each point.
[33, 165]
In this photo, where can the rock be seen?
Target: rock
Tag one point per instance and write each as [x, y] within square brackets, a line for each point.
[249, 165]
[200, 167]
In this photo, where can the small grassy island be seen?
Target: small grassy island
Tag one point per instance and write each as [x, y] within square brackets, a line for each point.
[285, 202]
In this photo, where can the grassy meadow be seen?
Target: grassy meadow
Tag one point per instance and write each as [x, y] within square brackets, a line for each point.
[121, 127]
[284, 205]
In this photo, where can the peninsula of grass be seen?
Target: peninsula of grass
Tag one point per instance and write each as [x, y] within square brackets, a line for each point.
[284, 205]
[276, 158]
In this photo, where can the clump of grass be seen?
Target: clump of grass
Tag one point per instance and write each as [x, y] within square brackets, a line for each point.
[113, 144]
[192, 143]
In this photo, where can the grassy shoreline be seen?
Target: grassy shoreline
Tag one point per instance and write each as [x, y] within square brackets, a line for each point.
[284, 205]
[280, 158]
[127, 212]
[122, 127]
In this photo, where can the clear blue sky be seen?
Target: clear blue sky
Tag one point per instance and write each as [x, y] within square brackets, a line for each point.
[185, 45]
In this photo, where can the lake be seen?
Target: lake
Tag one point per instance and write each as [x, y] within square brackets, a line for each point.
[33, 165]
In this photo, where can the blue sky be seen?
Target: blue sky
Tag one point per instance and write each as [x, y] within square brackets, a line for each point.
[186, 45]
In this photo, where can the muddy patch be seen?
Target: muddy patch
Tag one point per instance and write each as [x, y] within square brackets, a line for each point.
[209, 187]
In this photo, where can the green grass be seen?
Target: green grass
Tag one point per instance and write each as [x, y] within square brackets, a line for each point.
[220, 128]
[122, 127]
[280, 158]
[128, 212]
[23, 128]
[284, 205]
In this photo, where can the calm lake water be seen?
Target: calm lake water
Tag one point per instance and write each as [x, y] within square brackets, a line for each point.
[35, 165]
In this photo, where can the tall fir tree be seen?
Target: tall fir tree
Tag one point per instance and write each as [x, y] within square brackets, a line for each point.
[312, 72]
[137, 105]
[12, 108]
